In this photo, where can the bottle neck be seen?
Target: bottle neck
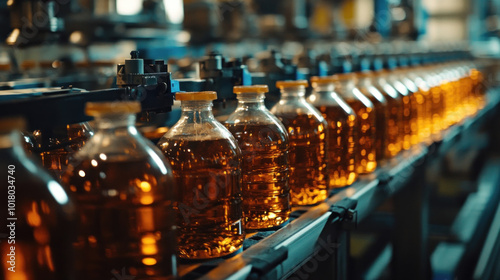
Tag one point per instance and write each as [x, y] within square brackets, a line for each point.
[195, 110]
[365, 80]
[344, 88]
[112, 123]
[324, 89]
[293, 93]
[346, 83]
[251, 101]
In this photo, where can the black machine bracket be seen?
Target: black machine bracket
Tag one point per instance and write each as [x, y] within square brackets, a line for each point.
[345, 213]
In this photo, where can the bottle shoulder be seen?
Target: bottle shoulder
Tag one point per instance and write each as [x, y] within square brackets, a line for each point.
[34, 187]
[331, 104]
[297, 108]
[206, 129]
[193, 154]
[259, 116]
[125, 144]
[373, 93]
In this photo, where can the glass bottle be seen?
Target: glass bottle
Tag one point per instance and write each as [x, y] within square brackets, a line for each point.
[125, 191]
[478, 87]
[308, 143]
[341, 129]
[463, 86]
[408, 117]
[450, 86]
[38, 216]
[56, 146]
[345, 86]
[466, 84]
[423, 99]
[417, 107]
[264, 144]
[206, 161]
[382, 114]
[394, 138]
[433, 79]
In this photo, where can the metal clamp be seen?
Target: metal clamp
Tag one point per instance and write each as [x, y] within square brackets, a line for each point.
[264, 263]
[345, 213]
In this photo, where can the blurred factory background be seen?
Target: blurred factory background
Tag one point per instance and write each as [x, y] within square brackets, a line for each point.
[97, 34]
[449, 231]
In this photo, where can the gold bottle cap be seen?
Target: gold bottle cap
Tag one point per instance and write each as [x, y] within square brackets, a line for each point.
[8, 124]
[366, 74]
[323, 80]
[285, 84]
[344, 76]
[97, 108]
[197, 95]
[28, 64]
[4, 67]
[251, 89]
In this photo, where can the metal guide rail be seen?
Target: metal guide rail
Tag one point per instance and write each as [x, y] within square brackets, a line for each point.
[279, 254]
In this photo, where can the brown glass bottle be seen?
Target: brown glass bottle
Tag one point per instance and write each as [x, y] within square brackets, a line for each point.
[382, 113]
[56, 146]
[365, 121]
[394, 139]
[125, 192]
[206, 163]
[478, 89]
[308, 143]
[466, 84]
[433, 79]
[408, 118]
[341, 131]
[264, 144]
[38, 216]
[417, 103]
[449, 87]
[424, 100]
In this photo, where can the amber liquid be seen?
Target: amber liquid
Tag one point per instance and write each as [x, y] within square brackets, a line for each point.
[450, 108]
[366, 133]
[126, 218]
[466, 84]
[417, 117]
[209, 213]
[43, 231]
[406, 122]
[478, 88]
[437, 110]
[56, 154]
[265, 171]
[308, 158]
[393, 138]
[425, 118]
[381, 124]
[341, 146]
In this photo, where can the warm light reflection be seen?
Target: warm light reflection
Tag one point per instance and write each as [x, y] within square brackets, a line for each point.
[33, 217]
[147, 199]
[148, 246]
[149, 261]
[145, 186]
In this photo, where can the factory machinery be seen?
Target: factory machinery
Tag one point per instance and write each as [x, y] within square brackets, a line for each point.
[432, 211]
